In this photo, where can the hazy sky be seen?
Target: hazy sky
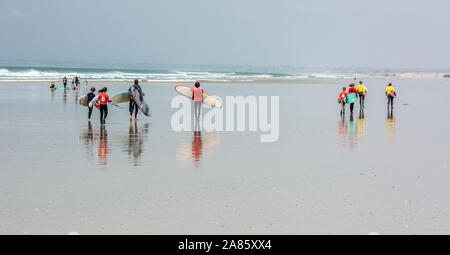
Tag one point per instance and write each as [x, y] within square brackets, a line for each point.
[344, 33]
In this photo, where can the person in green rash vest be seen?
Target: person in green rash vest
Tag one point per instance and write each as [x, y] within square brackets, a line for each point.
[351, 96]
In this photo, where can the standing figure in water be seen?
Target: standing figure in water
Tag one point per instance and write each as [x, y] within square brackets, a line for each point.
[352, 96]
[65, 81]
[90, 96]
[133, 105]
[103, 98]
[390, 93]
[197, 96]
[342, 100]
[362, 92]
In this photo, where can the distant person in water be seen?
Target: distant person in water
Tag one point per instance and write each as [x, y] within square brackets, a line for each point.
[362, 92]
[390, 93]
[352, 96]
[52, 85]
[342, 98]
[133, 105]
[86, 83]
[197, 96]
[103, 98]
[90, 96]
[77, 81]
[65, 81]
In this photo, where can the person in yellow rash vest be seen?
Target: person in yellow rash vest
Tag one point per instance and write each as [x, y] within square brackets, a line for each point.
[362, 92]
[390, 93]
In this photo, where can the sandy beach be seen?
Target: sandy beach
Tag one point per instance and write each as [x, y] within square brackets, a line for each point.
[325, 175]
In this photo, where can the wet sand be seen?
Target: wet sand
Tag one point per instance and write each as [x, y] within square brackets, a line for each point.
[371, 173]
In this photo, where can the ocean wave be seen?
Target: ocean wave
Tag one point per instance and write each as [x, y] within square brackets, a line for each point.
[56, 74]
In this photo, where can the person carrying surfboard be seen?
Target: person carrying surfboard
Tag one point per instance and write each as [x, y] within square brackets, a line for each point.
[133, 105]
[90, 96]
[362, 92]
[197, 96]
[342, 98]
[390, 93]
[351, 97]
[103, 98]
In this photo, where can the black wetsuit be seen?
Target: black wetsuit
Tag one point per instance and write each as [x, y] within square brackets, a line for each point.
[90, 96]
[103, 113]
[390, 100]
[65, 82]
[133, 106]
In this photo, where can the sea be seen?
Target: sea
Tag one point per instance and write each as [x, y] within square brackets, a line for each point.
[55, 71]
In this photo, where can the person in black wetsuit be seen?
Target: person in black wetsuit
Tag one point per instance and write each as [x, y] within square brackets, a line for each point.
[90, 96]
[65, 81]
[133, 106]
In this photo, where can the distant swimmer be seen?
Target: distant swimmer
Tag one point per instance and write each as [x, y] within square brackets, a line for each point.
[52, 85]
[65, 81]
[197, 96]
[351, 96]
[390, 93]
[86, 82]
[342, 100]
[103, 98]
[133, 105]
[90, 96]
[362, 92]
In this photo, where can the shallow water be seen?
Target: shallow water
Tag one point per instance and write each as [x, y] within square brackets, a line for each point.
[325, 175]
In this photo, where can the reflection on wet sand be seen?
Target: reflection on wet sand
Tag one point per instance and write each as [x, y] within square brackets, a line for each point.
[197, 150]
[96, 143]
[361, 127]
[200, 144]
[390, 125]
[65, 96]
[103, 149]
[52, 94]
[75, 95]
[135, 142]
[351, 133]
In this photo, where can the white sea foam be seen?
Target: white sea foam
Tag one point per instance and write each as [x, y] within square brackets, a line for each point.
[34, 74]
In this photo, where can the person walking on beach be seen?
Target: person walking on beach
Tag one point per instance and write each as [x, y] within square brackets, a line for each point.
[77, 81]
[351, 97]
[341, 100]
[103, 98]
[90, 96]
[362, 92]
[197, 96]
[133, 105]
[390, 93]
[86, 83]
[65, 81]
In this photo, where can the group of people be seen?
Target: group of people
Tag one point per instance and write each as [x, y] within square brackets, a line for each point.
[360, 92]
[103, 100]
[75, 83]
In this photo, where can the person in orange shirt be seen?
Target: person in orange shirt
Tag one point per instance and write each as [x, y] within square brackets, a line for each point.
[342, 98]
[197, 96]
[103, 98]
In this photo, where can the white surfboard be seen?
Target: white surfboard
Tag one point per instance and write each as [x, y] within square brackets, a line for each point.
[207, 98]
